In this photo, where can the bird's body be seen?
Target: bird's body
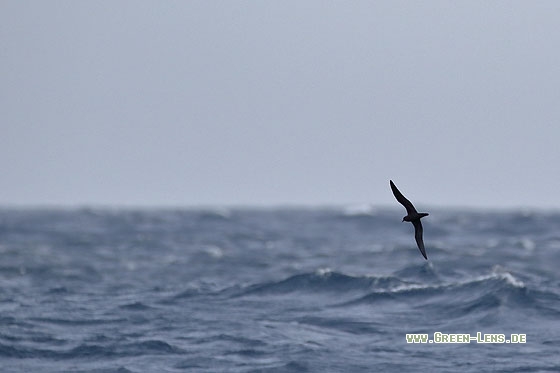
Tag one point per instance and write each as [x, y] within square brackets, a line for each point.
[413, 217]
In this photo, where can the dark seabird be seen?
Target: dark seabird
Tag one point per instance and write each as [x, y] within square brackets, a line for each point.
[413, 217]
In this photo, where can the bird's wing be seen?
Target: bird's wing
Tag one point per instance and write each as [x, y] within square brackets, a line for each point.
[418, 235]
[406, 203]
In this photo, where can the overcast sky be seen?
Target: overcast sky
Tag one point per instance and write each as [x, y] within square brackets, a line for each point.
[187, 103]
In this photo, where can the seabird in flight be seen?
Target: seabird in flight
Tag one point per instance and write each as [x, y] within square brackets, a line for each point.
[412, 216]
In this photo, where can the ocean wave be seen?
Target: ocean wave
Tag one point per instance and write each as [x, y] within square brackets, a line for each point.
[76, 322]
[485, 291]
[323, 280]
[86, 350]
[135, 306]
[292, 366]
[240, 290]
[199, 289]
[490, 290]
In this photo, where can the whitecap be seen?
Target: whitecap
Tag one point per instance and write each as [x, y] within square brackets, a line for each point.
[214, 251]
[500, 273]
[528, 244]
[359, 210]
[323, 272]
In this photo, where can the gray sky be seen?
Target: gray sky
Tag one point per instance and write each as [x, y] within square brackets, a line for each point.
[273, 102]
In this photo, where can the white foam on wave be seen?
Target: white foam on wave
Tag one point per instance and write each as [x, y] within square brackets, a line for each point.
[497, 273]
[512, 280]
[323, 272]
[214, 251]
[528, 244]
[408, 287]
[500, 273]
[359, 210]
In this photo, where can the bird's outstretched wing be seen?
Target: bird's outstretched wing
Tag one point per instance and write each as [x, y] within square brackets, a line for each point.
[418, 235]
[406, 203]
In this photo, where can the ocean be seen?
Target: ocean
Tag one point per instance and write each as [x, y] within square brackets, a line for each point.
[329, 289]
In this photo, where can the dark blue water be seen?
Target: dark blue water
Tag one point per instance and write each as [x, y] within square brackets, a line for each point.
[275, 290]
